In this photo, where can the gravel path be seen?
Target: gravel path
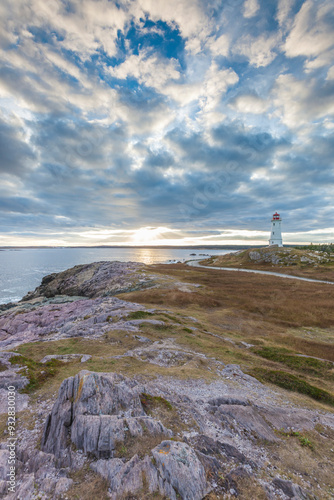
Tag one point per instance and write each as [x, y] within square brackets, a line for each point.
[195, 263]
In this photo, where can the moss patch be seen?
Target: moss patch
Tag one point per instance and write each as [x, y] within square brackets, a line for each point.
[37, 373]
[293, 383]
[149, 402]
[307, 365]
[139, 315]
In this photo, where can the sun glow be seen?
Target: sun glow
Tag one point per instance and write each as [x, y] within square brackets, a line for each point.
[149, 236]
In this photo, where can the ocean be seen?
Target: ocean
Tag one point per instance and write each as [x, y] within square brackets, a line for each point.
[22, 270]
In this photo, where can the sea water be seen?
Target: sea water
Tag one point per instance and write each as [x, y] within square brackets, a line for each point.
[22, 270]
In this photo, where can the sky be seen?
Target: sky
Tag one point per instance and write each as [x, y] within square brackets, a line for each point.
[152, 122]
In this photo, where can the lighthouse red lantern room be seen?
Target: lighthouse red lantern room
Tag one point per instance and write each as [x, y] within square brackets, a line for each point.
[276, 231]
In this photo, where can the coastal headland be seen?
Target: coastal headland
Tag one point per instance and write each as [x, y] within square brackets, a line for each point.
[171, 381]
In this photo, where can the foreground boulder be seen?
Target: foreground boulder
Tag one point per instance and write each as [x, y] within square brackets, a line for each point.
[128, 478]
[111, 424]
[179, 470]
[173, 470]
[95, 412]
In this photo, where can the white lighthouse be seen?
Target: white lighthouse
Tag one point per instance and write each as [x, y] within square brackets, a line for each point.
[276, 233]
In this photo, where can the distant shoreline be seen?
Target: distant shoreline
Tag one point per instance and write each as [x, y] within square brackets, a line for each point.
[175, 247]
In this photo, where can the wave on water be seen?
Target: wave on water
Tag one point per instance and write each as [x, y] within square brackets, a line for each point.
[6, 300]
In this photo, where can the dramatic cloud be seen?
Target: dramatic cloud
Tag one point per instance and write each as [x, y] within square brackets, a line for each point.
[181, 122]
[312, 34]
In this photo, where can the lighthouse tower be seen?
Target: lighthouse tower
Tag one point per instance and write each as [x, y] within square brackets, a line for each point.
[276, 234]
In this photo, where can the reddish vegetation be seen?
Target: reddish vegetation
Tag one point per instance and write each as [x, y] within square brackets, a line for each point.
[275, 300]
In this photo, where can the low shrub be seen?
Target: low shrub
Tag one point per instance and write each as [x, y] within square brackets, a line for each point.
[139, 315]
[293, 383]
[301, 363]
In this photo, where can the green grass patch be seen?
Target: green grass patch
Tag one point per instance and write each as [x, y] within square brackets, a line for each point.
[65, 346]
[300, 363]
[139, 315]
[293, 383]
[289, 433]
[172, 318]
[149, 402]
[37, 373]
[304, 441]
[188, 330]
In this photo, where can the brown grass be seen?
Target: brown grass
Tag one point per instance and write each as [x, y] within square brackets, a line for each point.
[314, 464]
[87, 485]
[266, 298]
[140, 445]
[262, 310]
[320, 350]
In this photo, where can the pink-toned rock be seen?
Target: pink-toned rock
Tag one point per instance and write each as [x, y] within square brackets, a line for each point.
[53, 321]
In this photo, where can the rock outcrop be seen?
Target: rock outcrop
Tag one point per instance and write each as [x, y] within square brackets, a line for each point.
[96, 412]
[273, 256]
[173, 470]
[180, 471]
[54, 320]
[12, 375]
[93, 280]
[67, 358]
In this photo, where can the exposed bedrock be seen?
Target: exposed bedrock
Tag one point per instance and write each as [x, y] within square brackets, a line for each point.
[98, 414]
[95, 412]
[93, 280]
[54, 320]
[173, 470]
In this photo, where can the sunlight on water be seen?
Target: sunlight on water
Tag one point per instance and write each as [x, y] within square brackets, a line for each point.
[22, 270]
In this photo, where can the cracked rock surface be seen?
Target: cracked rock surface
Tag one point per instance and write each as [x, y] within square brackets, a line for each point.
[95, 413]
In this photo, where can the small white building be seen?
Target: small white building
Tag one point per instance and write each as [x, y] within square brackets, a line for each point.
[276, 233]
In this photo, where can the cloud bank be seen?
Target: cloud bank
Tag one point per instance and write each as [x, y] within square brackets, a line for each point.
[184, 122]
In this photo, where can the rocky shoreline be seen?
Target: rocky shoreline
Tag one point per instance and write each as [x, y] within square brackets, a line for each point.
[156, 436]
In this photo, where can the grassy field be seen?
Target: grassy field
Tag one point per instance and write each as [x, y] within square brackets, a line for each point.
[283, 320]
[309, 262]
